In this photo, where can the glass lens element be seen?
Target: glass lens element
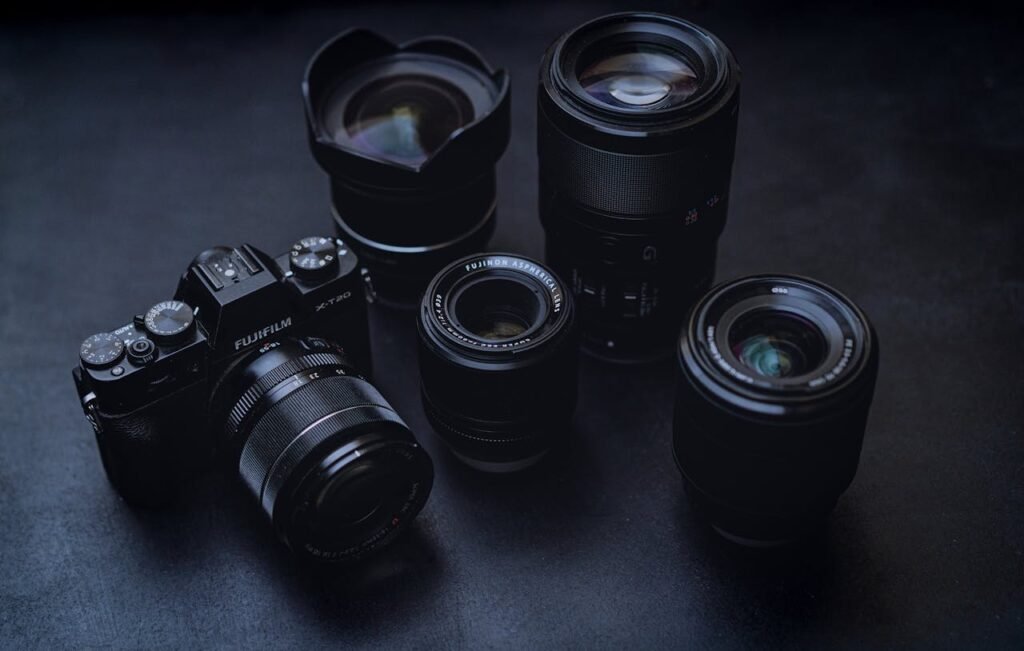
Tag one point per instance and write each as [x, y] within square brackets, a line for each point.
[406, 118]
[777, 344]
[497, 309]
[639, 76]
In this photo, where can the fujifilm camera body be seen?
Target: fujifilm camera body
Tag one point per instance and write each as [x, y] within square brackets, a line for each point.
[156, 389]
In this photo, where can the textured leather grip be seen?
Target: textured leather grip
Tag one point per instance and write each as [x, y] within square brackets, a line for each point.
[147, 451]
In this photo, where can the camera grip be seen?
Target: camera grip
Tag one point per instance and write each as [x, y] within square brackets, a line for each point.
[145, 451]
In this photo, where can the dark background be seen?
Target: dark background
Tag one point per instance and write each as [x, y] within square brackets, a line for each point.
[879, 149]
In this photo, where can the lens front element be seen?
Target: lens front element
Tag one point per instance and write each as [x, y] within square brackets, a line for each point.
[405, 118]
[499, 308]
[777, 343]
[639, 75]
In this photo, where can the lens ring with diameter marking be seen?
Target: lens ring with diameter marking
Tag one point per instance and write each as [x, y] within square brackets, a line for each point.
[409, 135]
[778, 373]
[636, 132]
[331, 464]
[498, 360]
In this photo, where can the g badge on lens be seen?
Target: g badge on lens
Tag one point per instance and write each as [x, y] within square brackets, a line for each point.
[636, 130]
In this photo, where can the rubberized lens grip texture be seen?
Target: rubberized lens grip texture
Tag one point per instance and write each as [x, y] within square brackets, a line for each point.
[290, 418]
[633, 184]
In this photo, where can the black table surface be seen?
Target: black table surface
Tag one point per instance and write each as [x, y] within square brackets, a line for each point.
[879, 150]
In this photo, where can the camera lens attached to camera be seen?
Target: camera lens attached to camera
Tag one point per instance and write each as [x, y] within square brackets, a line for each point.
[329, 461]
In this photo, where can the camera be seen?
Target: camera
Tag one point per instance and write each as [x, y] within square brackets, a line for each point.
[259, 361]
[636, 132]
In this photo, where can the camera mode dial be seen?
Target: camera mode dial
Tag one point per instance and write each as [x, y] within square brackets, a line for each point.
[313, 257]
[101, 350]
[169, 322]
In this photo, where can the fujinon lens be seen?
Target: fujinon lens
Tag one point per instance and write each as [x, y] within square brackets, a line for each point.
[409, 135]
[778, 373]
[636, 124]
[329, 461]
[498, 360]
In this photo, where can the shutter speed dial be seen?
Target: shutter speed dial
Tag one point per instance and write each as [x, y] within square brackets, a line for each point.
[101, 350]
[169, 322]
[312, 257]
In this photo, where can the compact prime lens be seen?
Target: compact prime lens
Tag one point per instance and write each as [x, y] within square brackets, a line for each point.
[636, 124]
[409, 135]
[777, 377]
[329, 461]
[498, 360]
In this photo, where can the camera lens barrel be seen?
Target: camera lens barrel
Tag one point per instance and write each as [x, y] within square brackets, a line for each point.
[498, 360]
[409, 135]
[332, 465]
[636, 134]
[777, 376]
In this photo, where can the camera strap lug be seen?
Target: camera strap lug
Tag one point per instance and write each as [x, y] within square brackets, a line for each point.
[92, 412]
[371, 293]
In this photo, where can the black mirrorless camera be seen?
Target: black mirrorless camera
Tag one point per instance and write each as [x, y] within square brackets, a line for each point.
[258, 361]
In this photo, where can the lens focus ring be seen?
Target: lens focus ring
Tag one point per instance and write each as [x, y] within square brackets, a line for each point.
[623, 184]
[273, 436]
[243, 408]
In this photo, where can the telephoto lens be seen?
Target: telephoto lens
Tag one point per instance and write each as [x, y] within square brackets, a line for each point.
[332, 465]
[498, 360]
[409, 135]
[778, 373]
[636, 124]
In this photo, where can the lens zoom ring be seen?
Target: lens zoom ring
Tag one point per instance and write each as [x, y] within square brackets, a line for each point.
[275, 429]
[275, 377]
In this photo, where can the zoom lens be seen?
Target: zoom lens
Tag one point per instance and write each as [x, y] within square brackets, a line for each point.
[778, 373]
[636, 134]
[498, 360]
[329, 461]
[409, 135]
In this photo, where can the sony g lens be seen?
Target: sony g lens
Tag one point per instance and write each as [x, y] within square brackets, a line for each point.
[636, 132]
